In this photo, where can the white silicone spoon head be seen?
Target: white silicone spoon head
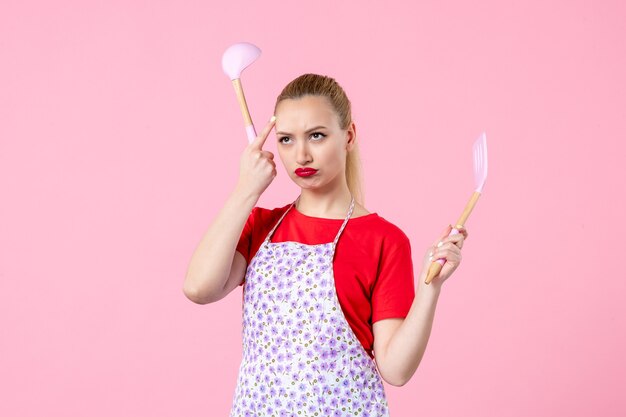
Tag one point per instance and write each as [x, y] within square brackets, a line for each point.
[480, 162]
[237, 57]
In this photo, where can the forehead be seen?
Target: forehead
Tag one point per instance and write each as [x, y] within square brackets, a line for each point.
[294, 114]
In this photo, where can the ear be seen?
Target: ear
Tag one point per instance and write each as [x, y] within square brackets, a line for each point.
[351, 136]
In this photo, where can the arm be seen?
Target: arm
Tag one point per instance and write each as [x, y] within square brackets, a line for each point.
[216, 268]
[399, 344]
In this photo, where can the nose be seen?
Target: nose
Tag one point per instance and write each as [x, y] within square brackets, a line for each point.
[303, 156]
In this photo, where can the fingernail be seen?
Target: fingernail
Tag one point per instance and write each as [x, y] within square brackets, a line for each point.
[430, 254]
[439, 244]
[272, 118]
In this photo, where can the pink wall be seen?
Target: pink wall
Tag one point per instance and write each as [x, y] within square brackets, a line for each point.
[120, 139]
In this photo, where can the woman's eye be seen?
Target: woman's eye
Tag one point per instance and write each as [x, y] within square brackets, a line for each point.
[282, 140]
[321, 135]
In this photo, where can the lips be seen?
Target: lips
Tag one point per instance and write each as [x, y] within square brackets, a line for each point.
[305, 172]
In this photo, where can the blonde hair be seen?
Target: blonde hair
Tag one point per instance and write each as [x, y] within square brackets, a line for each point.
[321, 85]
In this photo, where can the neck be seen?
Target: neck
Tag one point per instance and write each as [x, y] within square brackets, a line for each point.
[329, 204]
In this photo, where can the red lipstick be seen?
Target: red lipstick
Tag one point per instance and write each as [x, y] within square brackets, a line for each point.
[305, 172]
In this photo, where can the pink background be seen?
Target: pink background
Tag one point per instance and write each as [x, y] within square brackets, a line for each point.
[120, 140]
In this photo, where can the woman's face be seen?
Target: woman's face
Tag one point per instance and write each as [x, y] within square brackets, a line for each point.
[309, 137]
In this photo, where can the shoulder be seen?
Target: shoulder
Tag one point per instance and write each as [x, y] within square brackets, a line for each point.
[379, 234]
[263, 215]
[383, 227]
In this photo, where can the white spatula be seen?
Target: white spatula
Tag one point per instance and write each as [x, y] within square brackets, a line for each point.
[480, 176]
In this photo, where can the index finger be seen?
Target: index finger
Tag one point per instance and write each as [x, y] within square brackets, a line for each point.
[262, 137]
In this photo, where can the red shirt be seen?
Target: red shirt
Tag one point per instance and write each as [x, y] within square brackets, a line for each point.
[372, 267]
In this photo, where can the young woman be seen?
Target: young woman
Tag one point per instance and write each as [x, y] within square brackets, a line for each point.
[329, 303]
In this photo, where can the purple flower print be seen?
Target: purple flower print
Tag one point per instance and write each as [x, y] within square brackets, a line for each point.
[291, 304]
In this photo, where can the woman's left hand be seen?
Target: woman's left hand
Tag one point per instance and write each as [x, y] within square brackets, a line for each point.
[448, 248]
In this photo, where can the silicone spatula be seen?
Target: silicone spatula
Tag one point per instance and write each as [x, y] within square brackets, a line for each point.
[480, 176]
[235, 59]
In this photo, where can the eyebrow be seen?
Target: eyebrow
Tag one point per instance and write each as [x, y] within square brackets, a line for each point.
[310, 130]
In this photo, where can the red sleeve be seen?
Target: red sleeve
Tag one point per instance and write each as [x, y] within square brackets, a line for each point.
[394, 290]
[245, 240]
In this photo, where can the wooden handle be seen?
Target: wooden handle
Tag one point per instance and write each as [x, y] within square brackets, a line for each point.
[468, 209]
[435, 267]
[433, 271]
[242, 102]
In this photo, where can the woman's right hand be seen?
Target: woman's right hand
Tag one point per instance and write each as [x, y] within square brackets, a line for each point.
[257, 168]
